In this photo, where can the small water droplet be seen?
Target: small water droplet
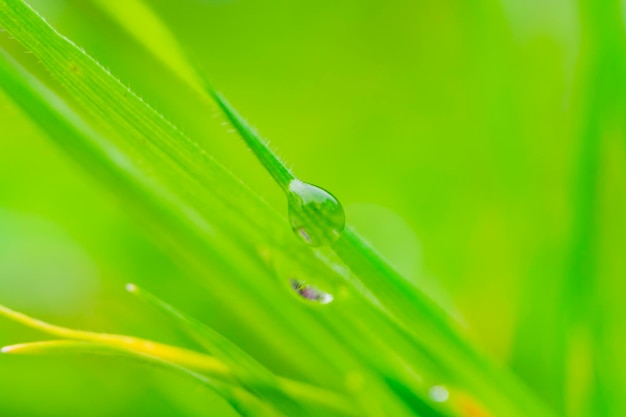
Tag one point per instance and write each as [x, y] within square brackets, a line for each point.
[309, 292]
[316, 216]
[438, 393]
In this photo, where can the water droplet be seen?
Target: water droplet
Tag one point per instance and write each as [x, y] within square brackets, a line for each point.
[438, 393]
[316, 216]
[309, 292]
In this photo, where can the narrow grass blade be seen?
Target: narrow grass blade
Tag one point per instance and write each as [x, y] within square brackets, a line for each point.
[249, 371]
[408, 306]
[240, 400]
[586, 304]
[411, 309]
[183, 357]
[281, 174]
[143, 24]
[148, 134]
[246, 367]
[160, 42]
[166, 154]
[59, 346]
[190, 202]
[82, 341]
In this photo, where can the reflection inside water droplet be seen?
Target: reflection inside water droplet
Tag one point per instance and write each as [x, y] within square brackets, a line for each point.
[316, 216]
[309, 292]
[438, 393]
[304, 235]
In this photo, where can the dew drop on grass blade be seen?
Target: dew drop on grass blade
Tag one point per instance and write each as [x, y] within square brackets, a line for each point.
[316, 216]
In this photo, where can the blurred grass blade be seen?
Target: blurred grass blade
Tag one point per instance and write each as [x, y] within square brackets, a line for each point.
[382, 281]
[172, 160]
[53, 346]
[249, 372]
[160, 42]
[244, 365]
[175, 56]
[281, 174]
[183, 357]
[239, 399]
[136, 17]
[92, 342]
[190, 201]
[411, 309]
[407, 306]
[248, 369]
[165, 152]
[98, 348]
[584, 333]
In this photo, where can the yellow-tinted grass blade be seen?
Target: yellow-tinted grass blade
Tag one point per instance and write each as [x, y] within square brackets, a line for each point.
[183, 357]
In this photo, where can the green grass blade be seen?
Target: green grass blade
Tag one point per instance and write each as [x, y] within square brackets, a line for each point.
[190, 201]
[136, 17]
[245, 366]
[101, 343]
[183, 357]
[250, 372]
[413, 311]
[210, 190]
[239, 399]
[60, 346]
[281, 174]
[159, 41]
[584, 335]
[60, 122]
[406, 304]
[148, 136]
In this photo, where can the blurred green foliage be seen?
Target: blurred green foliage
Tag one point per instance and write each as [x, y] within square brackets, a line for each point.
[479, 145]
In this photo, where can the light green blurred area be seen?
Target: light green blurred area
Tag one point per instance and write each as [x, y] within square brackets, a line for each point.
[453, 133]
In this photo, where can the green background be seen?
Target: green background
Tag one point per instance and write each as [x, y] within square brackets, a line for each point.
[478, 145]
